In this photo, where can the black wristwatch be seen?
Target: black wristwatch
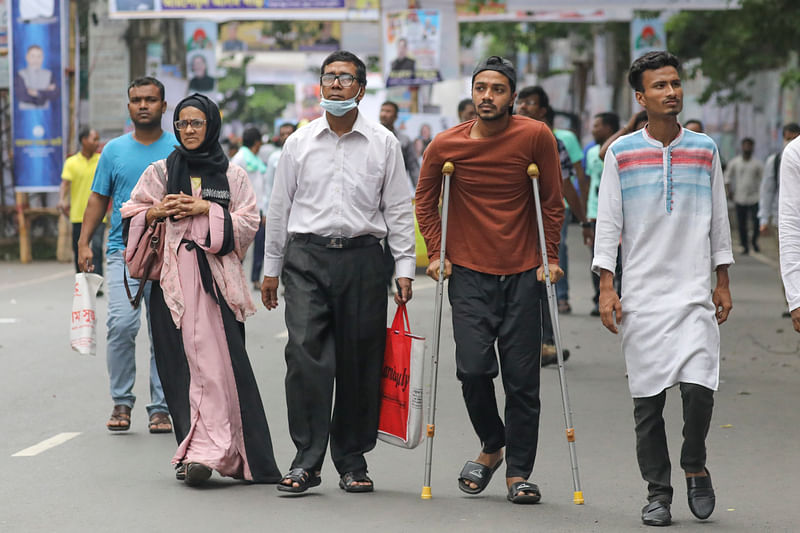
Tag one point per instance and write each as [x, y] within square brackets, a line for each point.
[586, 224]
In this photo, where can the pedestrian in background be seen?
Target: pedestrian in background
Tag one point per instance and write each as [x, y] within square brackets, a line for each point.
[199, 305]
[604, 126]
[466, 110]
[743, 176]
[340, 187]
[247, 158]
[76, 186]
[120, 165]
[495, 268]
[662, 191]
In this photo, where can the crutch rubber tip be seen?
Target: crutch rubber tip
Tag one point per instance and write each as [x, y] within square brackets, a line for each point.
[426, 493]
[577, 497]
[448, 168]
[533, 171]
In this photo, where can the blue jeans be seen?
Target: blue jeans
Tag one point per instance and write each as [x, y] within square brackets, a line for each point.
[562, 287]
[123, 326]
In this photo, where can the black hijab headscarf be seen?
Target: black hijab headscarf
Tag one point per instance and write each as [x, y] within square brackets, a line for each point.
[207, 160]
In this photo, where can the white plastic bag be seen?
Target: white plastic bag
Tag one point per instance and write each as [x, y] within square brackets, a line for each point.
[83, 338]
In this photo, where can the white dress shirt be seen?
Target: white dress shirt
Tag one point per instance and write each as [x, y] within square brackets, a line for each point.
[344, 186]
[789, 222]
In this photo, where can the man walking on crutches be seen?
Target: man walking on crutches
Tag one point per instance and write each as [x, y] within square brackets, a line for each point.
[494, 265]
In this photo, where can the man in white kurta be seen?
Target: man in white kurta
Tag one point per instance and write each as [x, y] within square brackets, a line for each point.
[662, 192]
[789, 227]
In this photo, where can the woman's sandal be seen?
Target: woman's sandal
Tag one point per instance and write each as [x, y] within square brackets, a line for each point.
[351, 482]
[524, 492]
[477, 473]
[120, 419]
[304, 479]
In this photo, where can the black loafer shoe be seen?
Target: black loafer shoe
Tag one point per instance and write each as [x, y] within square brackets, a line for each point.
[701, 495]
[656, 514]
[196, 474]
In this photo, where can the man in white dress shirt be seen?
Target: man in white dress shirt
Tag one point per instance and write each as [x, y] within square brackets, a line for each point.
[789, 227]
[340, 187]
[662, 191]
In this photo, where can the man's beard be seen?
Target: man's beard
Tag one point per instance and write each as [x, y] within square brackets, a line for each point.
[501, 113]
[152, 124]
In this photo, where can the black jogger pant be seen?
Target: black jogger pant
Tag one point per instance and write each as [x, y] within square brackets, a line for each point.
[336, 318]
[506, 309]
[651, 437]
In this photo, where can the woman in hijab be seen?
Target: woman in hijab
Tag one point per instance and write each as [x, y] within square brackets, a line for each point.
[198, 308]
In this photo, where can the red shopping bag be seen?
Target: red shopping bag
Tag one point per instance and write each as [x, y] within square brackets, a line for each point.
[401, 384]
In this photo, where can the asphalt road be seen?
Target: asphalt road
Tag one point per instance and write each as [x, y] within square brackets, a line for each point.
[98, 481]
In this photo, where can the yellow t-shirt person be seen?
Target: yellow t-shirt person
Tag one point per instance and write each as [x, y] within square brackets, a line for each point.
[79, 171]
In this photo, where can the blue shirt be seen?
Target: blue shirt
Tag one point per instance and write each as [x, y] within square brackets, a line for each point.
[121, 164]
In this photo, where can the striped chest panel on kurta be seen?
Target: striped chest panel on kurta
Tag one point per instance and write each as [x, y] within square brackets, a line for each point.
[675, 179]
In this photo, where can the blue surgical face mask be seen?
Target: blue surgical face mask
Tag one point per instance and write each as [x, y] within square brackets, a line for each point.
[338, 108]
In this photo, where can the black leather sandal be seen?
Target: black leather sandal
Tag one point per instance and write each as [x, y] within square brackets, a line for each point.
[349, 482]
[304, 479]
[477, 473]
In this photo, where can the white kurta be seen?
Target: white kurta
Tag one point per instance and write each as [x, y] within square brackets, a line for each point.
[789, 222]
[667, 203]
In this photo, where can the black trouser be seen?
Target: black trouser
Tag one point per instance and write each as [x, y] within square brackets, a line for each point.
[336, 317]
[96, 243]
[747, 213]
[506, 309]
[651, 438]
[258, 254]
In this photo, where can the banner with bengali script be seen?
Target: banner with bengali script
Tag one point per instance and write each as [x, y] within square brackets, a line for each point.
[412, 47]
[37, 39]
[247, 9]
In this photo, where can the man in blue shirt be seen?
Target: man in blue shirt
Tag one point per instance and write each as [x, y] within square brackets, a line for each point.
[122, 162]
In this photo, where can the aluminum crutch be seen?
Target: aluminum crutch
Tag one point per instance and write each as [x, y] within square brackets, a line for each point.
[577, 495]
[447, 171]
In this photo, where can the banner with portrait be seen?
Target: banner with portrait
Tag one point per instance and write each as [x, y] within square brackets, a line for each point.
[412, 47]
[37, 50]
[201, 62]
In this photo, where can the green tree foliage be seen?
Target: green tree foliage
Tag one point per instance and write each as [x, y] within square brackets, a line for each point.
[730, 46]
[252, 104]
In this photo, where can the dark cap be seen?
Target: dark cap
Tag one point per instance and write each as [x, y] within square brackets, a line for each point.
[498, 64]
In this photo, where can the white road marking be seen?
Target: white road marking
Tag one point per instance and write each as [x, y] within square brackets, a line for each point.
[34, 281]
[283, 334]
[46, 444]
[8, 320]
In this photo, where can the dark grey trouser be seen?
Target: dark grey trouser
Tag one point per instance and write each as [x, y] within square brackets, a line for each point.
[336, 317]
[651, 438]
[506, 309]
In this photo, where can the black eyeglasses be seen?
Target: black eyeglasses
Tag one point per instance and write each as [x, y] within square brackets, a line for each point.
[345, 80]
[195, 123]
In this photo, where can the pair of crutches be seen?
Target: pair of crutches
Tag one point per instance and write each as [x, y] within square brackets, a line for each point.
[533, 173]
